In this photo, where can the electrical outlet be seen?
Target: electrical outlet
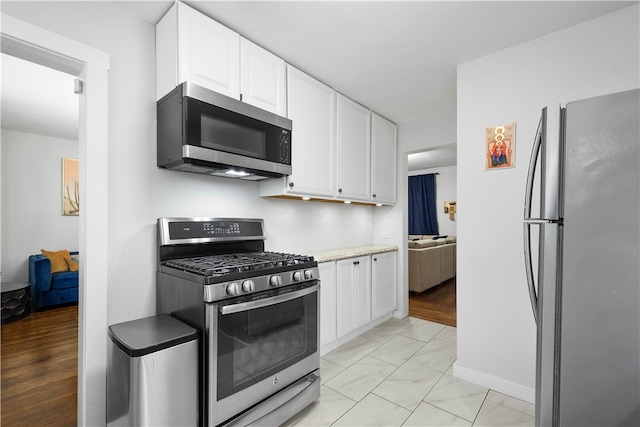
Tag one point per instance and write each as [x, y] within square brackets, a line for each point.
[386, 235]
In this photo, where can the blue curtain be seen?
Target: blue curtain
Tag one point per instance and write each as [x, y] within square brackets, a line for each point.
[422, 204]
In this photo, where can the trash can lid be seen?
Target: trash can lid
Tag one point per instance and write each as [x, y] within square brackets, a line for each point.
[150, 334]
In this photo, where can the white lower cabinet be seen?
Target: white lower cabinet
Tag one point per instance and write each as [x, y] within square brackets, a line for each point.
[356, 294]
[354, 298]
[327, 302]
[383, 279]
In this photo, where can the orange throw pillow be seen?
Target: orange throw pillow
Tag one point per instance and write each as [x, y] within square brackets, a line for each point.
[58, 260]
[73, 264]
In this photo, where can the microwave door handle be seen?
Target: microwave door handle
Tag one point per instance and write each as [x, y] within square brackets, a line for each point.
[528, 221]
[250, 305]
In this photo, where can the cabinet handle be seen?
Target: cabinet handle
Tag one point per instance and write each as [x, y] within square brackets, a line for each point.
[375, 259]
[374, 195]
[339, 190]
[291, 184]
[356, 262]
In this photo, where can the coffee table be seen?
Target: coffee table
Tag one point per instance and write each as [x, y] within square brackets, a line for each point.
[16, 301]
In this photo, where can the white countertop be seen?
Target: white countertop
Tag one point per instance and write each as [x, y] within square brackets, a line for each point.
[344, 253]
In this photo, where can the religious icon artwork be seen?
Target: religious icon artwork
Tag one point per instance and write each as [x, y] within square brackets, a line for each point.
[501, 142]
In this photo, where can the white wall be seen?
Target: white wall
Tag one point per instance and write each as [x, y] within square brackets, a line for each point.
[496, 330]
[446, 191]
[32, 200]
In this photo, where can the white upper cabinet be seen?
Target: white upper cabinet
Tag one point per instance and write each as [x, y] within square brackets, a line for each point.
[383, 160]
[262, 78]
[312, 111]
[311, 107]
[353, 136]
[208, 53]
[340, 149]
[191, 47]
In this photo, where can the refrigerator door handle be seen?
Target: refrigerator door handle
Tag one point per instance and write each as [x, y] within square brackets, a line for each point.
[529, 270]
[537, 144]
[528, 221]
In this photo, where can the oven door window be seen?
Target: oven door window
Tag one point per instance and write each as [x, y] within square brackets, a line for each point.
[215, 128]
[258, 343]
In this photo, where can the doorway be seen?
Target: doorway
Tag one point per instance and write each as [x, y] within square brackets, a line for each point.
[39, 129]
[26, 41]
[437, 301]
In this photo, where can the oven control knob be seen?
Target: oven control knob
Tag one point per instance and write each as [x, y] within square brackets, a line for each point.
[248, 286]
[275, 280]
[297, 276]
[232, 289]
[308, 274]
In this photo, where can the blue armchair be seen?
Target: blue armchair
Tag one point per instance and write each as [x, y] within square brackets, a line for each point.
[49, 289]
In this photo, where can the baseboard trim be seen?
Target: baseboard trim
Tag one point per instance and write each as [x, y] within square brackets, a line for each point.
[494, 383]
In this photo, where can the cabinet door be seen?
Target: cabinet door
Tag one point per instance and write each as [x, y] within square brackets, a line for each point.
[362, 303]
[383, 160]
[353, 137]
[383, 283]
[208, 53]
[311, 107]
[328, 303]
[262, 78]
[167, 52]
[346, 316]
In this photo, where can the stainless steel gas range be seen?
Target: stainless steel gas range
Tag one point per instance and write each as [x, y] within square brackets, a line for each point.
[257, 312]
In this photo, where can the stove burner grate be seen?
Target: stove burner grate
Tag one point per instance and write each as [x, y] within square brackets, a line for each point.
[221, 265]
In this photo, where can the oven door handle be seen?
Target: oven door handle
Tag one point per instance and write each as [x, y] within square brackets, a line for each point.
[250, 305]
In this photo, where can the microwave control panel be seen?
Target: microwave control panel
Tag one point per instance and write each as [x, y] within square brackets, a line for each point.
[285, 147]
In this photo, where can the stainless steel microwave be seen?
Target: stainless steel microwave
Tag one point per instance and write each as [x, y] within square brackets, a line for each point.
[206, 132]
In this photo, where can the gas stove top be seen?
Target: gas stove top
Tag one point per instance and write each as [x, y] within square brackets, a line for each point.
[226, 257]
[222, 265]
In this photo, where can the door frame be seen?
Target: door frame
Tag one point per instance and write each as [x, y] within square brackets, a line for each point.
[35, 44]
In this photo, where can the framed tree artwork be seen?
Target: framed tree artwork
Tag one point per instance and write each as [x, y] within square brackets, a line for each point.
[70, 189]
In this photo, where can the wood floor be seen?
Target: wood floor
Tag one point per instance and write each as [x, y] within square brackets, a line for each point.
[39, 369]
[437, 304]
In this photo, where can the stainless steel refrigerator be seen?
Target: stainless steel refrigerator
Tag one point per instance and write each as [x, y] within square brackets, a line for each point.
[582, 218]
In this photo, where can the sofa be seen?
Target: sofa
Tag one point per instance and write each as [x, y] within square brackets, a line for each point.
[432, 260]
[50, 289]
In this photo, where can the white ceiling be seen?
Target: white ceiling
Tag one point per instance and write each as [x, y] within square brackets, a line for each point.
[437, 157]
[398, 58]
[37, 99]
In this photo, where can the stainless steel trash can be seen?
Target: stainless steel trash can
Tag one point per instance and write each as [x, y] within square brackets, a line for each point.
[153, 373]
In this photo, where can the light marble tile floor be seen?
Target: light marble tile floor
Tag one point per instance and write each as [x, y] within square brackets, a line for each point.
[400, 374]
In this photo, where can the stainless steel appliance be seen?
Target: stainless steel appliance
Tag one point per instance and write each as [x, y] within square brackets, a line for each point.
[587, 299]
[206, 132]
[258, 313]
[151, 380]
